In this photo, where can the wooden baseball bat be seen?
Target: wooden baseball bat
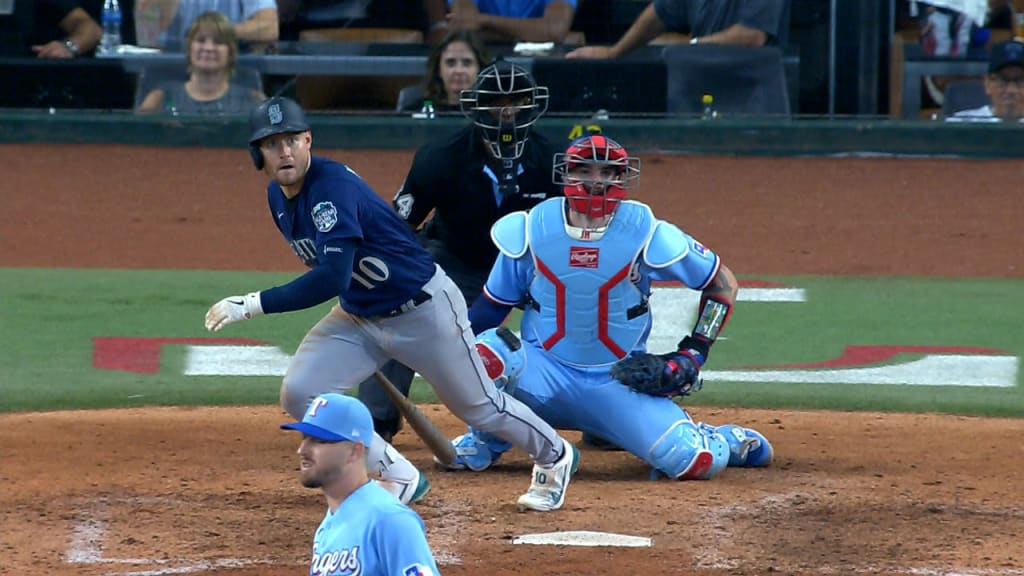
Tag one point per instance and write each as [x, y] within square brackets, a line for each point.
[423, 425]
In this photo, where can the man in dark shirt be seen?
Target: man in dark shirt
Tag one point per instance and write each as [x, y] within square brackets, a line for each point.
[736, 22]
[492, 167]
[48, 29]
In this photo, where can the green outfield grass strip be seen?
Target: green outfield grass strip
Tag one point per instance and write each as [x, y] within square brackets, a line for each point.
[51, 317]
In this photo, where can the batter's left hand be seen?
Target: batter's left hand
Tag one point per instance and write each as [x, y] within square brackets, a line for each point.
[233, 309]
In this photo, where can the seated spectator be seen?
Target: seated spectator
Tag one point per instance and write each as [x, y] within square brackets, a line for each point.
[48, 29]
[255, 21]
[500, 21]
[737, 22]
[211, 57]
[452, 67]
[1004, 85]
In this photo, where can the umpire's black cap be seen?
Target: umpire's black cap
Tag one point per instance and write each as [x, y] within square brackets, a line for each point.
[276, 115]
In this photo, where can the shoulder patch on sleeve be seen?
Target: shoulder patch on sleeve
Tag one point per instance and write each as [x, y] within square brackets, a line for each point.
[325, 216]
[509, 234]
[668, 244]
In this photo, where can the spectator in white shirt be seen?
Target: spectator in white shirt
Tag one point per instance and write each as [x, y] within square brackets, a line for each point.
[1004, 86]
[255, 21]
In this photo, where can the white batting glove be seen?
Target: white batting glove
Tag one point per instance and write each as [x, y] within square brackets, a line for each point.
[233, 309]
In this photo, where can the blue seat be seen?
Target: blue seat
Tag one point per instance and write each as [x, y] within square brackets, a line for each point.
[963, 95]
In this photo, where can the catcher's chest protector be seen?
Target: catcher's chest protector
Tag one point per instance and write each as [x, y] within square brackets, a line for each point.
[587, 311]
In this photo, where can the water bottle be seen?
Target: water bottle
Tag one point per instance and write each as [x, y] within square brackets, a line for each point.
[111, 27]
[427, 111]
[709, 111]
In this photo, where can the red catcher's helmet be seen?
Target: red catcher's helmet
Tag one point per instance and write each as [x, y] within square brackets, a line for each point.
[598, 193]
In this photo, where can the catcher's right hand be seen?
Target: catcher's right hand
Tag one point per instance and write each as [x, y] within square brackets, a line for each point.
[672, 374]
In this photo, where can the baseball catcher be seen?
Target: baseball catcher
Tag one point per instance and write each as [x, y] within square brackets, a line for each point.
[584, 266]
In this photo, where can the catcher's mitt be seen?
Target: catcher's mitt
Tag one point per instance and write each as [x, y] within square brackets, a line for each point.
[672, 374]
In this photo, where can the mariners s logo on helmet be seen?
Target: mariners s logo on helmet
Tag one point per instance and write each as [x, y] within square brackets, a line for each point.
[274, 114]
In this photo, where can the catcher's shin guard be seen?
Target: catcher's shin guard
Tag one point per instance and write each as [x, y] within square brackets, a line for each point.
[685, 452]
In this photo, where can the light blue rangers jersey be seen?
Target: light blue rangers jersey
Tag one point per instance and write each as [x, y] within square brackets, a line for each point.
[371, 534]
[587, 300]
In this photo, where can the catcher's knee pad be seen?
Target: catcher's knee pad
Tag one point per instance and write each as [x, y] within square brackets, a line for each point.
[683, 453]
[503, 356]
[747, 447]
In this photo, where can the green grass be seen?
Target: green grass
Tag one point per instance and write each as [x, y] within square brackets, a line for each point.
[50, 316]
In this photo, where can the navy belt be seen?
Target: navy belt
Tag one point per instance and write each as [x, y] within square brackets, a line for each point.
[412, 304]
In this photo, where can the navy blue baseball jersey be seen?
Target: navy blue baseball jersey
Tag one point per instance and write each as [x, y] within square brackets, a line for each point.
[390, 266]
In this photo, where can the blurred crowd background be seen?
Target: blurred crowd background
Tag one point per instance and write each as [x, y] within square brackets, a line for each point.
[951, 59]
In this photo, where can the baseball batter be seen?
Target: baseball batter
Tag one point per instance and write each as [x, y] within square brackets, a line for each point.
[494, 166]
[365, 531]
[393, 302]
[585, 264]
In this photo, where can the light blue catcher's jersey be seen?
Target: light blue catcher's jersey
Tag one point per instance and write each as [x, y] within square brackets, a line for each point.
[371, 534]
[587, 300]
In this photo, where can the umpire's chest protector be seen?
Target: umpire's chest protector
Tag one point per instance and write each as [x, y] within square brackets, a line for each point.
[587, 310]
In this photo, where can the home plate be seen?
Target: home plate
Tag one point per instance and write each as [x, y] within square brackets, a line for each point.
[583, 538]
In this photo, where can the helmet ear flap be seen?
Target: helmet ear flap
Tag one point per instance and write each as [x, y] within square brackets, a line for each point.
[257, 156]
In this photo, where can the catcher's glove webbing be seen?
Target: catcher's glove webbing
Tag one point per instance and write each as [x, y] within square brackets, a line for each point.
[672, 374]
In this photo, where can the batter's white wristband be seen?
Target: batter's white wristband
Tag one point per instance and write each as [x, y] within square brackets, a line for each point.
[253, 305]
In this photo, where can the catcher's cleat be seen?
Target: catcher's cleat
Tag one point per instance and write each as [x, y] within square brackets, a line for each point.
[547, 490]
[748, 447]
[471, 453]
[761, 453]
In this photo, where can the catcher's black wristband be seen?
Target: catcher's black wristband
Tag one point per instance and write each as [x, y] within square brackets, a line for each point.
[697, 347]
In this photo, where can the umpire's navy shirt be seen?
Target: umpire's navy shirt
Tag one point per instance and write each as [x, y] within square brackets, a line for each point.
[452, 176]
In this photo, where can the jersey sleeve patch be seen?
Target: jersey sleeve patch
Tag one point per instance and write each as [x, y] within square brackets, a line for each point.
[667, 245]
[509, 234]
[325, 216]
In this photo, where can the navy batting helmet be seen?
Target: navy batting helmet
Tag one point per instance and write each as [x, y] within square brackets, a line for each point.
[277, 115]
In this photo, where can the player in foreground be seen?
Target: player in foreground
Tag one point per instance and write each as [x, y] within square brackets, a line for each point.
[365, 530]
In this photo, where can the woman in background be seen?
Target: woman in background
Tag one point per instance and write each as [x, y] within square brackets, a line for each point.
[211, 57]
[452, 67]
